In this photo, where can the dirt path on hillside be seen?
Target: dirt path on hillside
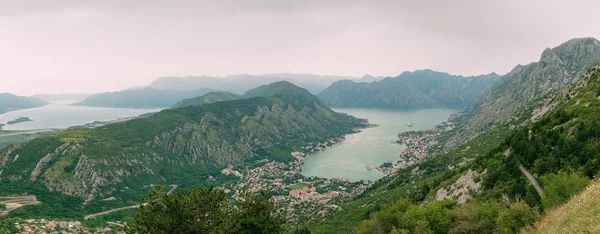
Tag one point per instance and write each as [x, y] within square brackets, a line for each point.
[532, 180]
[15, 202]
[113, 210]
[173, 187]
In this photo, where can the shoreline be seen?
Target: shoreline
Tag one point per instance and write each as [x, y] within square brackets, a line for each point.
[418, 145]
[335, 141]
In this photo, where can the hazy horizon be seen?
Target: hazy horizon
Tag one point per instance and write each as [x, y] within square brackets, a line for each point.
[98, 46]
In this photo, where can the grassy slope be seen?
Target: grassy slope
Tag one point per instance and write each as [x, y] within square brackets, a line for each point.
[579, 215]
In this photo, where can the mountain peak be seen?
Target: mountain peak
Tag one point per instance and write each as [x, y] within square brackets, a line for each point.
[276, 88]
[550, 56]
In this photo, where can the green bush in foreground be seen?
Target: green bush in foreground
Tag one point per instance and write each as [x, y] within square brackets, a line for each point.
[449, 217]
[206, 210]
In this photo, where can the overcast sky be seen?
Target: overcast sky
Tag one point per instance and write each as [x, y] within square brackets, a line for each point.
[59, 46]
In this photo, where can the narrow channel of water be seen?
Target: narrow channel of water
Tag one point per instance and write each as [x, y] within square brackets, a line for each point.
[372, 146]
[62, 115]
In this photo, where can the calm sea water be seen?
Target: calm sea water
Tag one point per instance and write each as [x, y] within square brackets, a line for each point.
[372, 146]
[62, 115]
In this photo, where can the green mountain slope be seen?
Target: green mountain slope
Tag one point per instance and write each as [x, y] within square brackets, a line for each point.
[211, 97]
[11, 102]
[141, 98]
[558, 67]
[419, 89]
[186, 146]
[490, 181]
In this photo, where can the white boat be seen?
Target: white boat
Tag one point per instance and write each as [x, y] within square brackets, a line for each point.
[410, 124]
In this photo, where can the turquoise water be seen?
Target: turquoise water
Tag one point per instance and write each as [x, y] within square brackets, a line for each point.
[372, 146]
[62, 115]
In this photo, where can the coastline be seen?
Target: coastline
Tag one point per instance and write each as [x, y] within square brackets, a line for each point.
[418, 144]
[332, 142]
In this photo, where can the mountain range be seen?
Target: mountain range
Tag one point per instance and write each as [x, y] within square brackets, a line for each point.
[558, 67]
[62, 97]
[510, 173]
[141, 98]
[186, 146]
[11, 102]
[243, 82]
[419, 89]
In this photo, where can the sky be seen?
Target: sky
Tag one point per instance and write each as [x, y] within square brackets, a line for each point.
[78, 46]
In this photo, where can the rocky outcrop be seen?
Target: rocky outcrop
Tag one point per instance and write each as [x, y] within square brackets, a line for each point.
[557, 67]
[463, 188]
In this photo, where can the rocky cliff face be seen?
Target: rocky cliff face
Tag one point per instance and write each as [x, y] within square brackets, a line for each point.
[174, 146]
[419, 89]
[557, 67]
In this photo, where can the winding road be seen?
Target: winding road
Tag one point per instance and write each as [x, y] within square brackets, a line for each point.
[173, 187]
[533, 181]
[535, 184]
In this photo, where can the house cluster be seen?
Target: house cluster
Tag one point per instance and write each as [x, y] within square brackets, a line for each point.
[418, 146]
[46, 226]
[304, 193]
[229, 171]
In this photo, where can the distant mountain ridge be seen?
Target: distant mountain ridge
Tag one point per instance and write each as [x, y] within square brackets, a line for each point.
[11, 102]
[419, 89]
[141, 98]
[243, 82]
[557, 67]
[261, 91]
[62, 97]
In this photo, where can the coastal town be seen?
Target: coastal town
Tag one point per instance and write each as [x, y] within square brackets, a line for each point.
[47, 226]
[419, 145]
[298, 197]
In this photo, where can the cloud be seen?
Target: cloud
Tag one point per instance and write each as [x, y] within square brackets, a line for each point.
[115, 44]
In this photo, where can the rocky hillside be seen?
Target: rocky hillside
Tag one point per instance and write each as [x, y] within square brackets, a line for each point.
[186, 146]
[211, 97]
[557, 67]
[419, 89]
[141, 98]
[11, 102]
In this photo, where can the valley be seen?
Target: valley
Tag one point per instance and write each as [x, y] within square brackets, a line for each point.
[373, 147]
[303, 117]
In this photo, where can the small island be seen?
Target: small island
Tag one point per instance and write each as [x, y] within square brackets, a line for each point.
[19, 120]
